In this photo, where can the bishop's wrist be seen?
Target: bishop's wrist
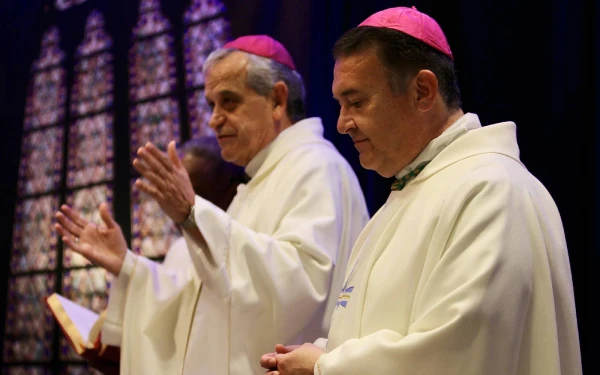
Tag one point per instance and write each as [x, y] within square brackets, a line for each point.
[190, 220]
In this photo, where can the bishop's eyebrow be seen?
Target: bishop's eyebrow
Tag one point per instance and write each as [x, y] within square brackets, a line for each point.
[346, 93]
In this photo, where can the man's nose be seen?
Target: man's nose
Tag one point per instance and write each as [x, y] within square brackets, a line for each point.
[344, 123]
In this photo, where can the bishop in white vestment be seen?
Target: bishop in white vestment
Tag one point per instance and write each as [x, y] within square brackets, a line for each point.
[263, 268]
[465, 268]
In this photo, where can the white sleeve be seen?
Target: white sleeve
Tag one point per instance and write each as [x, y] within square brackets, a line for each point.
[143, 283]
[112, 329]
[288, 271]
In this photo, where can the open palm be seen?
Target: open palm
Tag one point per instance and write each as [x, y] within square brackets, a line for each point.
[103, 245]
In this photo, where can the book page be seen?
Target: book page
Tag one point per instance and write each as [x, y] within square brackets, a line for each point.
[82, 318]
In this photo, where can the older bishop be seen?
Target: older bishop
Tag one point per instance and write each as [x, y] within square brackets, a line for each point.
[267, 263]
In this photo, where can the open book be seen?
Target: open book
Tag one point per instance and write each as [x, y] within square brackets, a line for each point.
[82, 328]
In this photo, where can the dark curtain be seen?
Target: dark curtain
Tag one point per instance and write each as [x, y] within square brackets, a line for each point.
[532, 62]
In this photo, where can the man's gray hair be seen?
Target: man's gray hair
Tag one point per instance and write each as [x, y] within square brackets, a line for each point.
[263, 74]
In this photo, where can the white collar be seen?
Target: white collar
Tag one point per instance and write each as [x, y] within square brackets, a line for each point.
[307, 128]
[466, 122]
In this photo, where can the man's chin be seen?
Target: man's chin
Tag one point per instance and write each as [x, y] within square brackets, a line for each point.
[365, 161]
[368, 163]
[234, 158]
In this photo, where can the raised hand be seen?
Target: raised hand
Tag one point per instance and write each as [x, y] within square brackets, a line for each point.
[167, 180]
[104, 246]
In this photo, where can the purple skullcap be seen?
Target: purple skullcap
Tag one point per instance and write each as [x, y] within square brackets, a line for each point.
[263, 45]
[414, 23]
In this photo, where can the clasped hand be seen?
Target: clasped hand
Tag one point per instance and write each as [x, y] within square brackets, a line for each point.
[292, 360]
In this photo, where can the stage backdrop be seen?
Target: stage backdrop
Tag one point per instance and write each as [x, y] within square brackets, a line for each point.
[84, 82]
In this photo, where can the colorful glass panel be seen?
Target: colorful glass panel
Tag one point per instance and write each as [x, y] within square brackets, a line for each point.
[201, 9]
[92, 91]
[34, 237]
[157, 122]
[151, 20]
[29, 322]
[87, 287]
[90, 150]
[199, 114]
[153, 231]
[41, 161]
[95, 38]
[46, 99]
[199, 41]
[86, 202]
[50, 53]
[65, 4]
[152, 67]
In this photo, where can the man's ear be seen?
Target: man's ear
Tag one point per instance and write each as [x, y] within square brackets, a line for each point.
[280, 96]
[426, 84]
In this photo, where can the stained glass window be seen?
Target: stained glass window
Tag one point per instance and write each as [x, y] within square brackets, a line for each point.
[34, 237]
[152, 230]
[200, 40]
[47, 92]
[156, 121]
[95, 38]
[92, 91]
[152, 60]
[28, 332]
[86, 202]
[84, 125]
[199, 114]
[152, 75]
[87, 287]
[90, 150]
[50, 53]
[202, 9]
[65, 4]
[206, 30]
[151, 20]
[153, 67]
[41, 161]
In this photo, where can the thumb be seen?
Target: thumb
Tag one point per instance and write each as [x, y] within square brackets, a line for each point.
[172, 152]
[106, 216]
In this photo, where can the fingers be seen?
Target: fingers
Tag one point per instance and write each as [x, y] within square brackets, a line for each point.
[140, 166]
[268, 361]
[106, 216]
[149, 189]
[69, 240]
[73, 216]
[153, 172]
[67, 226]
[172, 152]
[282, 349]
[157, 156]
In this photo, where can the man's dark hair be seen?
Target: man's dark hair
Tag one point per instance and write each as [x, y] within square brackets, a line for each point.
[403, 56]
